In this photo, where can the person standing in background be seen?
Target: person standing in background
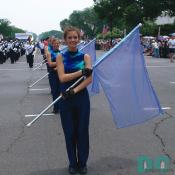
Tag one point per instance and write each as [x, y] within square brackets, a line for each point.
[171, 44]
[29, 54]
[53, 76]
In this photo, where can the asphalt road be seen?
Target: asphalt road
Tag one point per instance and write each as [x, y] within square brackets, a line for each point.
[40, 149]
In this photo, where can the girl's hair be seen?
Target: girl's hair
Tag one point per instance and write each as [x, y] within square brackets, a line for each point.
[70, 29]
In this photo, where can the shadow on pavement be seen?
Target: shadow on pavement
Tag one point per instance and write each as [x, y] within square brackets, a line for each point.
[103, 166]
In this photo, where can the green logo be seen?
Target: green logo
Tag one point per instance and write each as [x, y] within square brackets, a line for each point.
[159, 164]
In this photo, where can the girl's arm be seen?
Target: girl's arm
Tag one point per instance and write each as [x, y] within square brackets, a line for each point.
[88, 80]
[50, 63]
[63, 77]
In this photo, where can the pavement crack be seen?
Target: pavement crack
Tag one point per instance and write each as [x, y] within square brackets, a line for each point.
[21, 134]
[160, 138]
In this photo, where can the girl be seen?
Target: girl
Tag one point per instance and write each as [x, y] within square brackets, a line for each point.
[51, 56]
[75, 104]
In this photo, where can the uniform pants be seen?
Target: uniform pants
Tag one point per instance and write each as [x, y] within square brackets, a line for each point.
[11, 55]
[55, 87]
[75, 113]
[30, 60]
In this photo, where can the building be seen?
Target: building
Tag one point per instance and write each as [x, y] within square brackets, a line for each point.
[24, 36]
[161, 20]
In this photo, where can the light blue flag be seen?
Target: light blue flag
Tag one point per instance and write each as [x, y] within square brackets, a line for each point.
[124, 78]
[89, 49]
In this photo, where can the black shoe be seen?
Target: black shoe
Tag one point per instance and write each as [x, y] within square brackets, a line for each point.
[72, 170]
[83, 170]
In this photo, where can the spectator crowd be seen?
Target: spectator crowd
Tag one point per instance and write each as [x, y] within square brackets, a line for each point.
[164, 48]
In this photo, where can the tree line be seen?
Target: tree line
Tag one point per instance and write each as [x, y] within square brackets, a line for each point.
[7, 30]
[118, 17]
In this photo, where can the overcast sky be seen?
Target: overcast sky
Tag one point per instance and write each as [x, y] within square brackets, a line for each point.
[40, 15]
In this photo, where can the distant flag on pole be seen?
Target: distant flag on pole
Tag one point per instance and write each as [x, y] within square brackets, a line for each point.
[105, 29]
[81, 33]
[90, 50]
[124, 78]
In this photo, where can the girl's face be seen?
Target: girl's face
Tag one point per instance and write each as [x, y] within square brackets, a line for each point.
[72, 39]
[56, 45]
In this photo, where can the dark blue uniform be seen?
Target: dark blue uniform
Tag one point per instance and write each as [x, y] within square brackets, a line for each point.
[75, 112]
[54, 80]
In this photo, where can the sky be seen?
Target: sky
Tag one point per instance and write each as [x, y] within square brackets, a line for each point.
[40, 15]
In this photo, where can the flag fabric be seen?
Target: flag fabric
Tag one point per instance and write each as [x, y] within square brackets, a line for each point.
[124, 78]
[89, 49]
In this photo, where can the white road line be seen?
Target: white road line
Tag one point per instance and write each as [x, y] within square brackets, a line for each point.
[43, 89]
[172, 82]
[160, 66]
[22, 62]
[157, 108]
[34, 115]
[157, 61]
[13, 69]
[166, 107]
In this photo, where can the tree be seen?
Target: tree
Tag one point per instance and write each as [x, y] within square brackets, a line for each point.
[55, 33]
[149, 28]
[132, 11]
[167, 29]
[5, 28]
[110, 11]
[169, 7]
[64, 23]
[9, 31]
[132, 15]
[86, 20]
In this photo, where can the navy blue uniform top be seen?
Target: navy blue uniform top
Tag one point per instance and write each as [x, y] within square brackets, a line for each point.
[54, 54]
[73, 61]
